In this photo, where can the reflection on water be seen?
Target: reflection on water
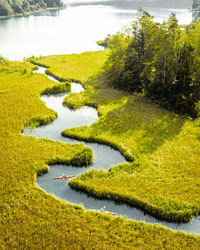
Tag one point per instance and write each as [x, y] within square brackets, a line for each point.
[77, 28]
[47, 13]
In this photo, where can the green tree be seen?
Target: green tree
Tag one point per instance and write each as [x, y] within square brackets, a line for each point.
[160, 60]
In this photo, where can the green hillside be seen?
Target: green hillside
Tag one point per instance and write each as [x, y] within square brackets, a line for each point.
[16, 7]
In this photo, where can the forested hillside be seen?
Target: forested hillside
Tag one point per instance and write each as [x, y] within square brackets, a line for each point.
[161, 61]
[15, 7]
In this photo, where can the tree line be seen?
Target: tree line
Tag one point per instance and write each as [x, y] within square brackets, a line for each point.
[14, 7]
[159, 60]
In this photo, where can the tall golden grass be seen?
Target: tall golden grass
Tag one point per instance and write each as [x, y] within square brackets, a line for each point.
[32, 219]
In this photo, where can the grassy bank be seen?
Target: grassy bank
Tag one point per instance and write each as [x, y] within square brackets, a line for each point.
[31, 218]
[75, 67]
[163, 178]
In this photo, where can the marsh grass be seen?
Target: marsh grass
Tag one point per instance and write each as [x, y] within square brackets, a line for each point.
[146, 134]
[40, 120]
[163, 145]
[75, 67]
[56, 89]
[83, 157]
[31, 218]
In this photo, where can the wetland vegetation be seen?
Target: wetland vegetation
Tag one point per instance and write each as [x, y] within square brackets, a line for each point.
[30, 218]
[161, 177]
[163, 146]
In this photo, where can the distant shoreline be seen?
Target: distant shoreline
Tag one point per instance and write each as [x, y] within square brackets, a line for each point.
[35, 11]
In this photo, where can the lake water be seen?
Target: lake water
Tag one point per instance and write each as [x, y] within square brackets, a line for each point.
[77, 28]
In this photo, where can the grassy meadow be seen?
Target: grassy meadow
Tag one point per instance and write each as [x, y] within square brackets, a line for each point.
[163, 149]
[77, 67]
[32, 219]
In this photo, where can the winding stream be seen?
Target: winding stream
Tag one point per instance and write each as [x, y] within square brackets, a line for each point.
[104, 157]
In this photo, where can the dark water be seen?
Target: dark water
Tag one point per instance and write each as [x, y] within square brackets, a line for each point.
[104, 158]
[77, 28]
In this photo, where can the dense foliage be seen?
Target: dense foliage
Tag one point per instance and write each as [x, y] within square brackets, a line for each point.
[160, 60]
[14, 7]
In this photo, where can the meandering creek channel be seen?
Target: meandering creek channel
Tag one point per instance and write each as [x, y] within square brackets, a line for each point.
[104, 157]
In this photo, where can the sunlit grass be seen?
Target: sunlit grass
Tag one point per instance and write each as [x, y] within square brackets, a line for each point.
[78, 67]
[31, 218]
[163, 178]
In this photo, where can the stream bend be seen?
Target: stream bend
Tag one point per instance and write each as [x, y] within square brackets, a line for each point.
[104, 156]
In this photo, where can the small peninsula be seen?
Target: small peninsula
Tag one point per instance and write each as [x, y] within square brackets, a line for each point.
[21, 7]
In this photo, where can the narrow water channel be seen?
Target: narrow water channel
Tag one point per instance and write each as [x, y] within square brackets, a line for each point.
[104, 157]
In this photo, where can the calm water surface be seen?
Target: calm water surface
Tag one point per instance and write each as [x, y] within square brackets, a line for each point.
[104, 157]
[77, 28]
